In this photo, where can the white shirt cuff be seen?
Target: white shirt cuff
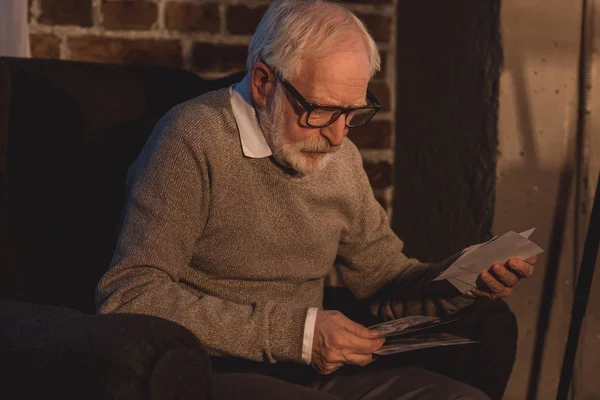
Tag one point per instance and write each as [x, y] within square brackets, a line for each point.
[309, 333]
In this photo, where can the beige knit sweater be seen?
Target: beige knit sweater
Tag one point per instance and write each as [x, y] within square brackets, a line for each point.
[236, 249]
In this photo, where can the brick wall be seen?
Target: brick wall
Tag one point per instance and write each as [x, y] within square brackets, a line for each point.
[210, 38]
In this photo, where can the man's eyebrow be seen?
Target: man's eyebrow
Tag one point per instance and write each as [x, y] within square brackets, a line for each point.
[316, 102]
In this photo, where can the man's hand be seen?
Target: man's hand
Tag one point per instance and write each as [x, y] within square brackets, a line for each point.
[339, 340]
[500, 280]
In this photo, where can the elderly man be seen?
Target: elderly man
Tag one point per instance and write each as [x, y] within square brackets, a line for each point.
[243, 200]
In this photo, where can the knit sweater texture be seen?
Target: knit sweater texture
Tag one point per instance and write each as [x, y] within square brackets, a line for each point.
[237, 249]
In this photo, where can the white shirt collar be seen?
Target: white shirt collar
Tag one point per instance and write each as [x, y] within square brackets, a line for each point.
[254, 144]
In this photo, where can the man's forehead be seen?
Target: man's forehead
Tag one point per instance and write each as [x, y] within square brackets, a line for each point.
[343, 76]
[355, 61]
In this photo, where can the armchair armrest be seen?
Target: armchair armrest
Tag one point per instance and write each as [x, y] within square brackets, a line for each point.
[56, 352]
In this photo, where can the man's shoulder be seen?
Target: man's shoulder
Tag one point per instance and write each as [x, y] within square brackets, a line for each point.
[212, 105]
[203, 121]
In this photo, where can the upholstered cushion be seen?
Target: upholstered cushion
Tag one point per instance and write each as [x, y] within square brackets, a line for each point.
[50, 352]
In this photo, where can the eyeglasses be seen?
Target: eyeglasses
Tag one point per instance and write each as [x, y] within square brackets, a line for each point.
[322, 116]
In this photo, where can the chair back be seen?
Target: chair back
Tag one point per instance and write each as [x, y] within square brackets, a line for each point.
[68, 133]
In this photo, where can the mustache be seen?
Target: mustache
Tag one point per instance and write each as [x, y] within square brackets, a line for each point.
[318, 145]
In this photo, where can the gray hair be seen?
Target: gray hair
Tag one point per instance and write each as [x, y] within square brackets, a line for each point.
[293, 29]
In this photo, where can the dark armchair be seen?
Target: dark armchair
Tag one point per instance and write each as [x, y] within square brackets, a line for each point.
[68, 132]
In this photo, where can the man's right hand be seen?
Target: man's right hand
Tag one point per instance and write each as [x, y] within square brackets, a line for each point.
[338, 341]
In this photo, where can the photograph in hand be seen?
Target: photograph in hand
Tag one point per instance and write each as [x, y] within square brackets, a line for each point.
[408, 343]
[416, 332]
[414, 323]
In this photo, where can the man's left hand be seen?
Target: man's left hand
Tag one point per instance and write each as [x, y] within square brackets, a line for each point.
[500, 280]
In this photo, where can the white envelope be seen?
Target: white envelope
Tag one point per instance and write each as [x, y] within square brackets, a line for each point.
[475, 259]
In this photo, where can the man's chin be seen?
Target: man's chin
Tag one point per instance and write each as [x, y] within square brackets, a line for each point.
[304, 162]
[312, 162]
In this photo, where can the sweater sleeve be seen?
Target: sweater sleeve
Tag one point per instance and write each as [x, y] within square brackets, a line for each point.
[166, 208]
[372, 265]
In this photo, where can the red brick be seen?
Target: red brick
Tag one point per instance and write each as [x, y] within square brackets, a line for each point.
[242, 19]
[380, 174]
[373, 135]
[219, 58]
[44, 45]
[379, 26]
[126, 51]
[129, 14]
[382, 92]
[66, 12]
[190, 17]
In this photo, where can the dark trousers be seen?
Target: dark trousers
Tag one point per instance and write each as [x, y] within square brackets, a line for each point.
[404, 383]
[453, 372]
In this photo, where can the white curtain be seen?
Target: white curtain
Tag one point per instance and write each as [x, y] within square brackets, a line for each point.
[14, 28]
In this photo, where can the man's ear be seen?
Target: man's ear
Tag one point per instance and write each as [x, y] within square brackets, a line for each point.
[261, 83]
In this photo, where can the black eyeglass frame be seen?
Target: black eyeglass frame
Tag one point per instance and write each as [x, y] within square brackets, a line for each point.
[309, 107]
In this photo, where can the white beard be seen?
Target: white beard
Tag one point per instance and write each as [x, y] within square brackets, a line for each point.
[305, 157]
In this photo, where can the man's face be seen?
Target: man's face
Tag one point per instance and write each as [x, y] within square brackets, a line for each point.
[337, 79]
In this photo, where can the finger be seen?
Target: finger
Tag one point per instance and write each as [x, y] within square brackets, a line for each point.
[358, 329]
[522, 268]
[482, 293]
[491, 282]
[326, 368]
[504, 275]
[333, 367]
[359, 345]
[359, 359]
[531, 260]
[491, 295]
[349, 343]
[343, 340]
[496, 289]
[375, 334]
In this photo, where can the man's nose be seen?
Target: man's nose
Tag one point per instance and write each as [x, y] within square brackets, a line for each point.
[336, 132]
